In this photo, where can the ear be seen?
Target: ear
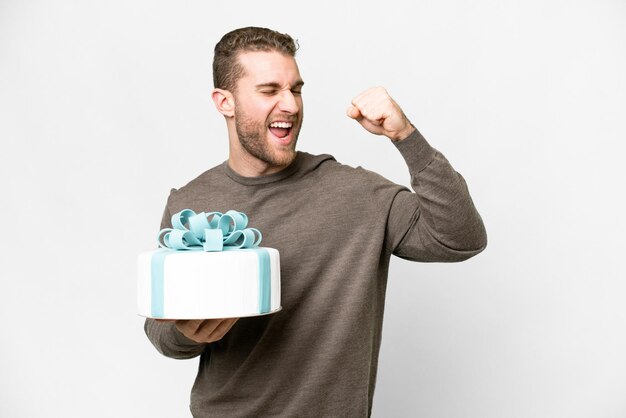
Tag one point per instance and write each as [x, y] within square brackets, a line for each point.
[224, 102]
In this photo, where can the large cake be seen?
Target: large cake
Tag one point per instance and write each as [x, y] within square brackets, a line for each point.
[209, 266]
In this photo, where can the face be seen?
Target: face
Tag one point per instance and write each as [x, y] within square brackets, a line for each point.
[268, 107]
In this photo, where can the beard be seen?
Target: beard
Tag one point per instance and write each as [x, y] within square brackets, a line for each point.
[253, 138]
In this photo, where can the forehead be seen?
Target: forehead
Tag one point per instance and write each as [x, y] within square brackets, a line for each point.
[266, 67]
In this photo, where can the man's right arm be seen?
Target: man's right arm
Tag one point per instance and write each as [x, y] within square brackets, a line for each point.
[170, 342]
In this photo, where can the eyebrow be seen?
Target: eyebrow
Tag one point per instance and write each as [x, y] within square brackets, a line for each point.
[276, 85]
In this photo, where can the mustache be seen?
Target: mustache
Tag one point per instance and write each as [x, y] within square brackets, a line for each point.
[285, 118]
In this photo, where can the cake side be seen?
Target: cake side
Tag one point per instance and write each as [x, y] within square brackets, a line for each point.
[203, 285]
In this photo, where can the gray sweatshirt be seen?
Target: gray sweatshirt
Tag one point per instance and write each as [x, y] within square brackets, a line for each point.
[336, 228]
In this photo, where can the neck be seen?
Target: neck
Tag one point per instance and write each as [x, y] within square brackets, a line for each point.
[246, 164]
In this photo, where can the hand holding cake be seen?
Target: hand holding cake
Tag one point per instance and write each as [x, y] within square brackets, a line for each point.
[203, 330]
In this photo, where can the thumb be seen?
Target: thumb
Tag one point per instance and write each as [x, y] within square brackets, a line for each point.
[354, 113]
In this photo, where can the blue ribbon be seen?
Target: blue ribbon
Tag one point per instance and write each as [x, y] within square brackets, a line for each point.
[211, 231]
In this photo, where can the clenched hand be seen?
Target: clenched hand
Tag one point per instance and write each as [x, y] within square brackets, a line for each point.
[377, 112]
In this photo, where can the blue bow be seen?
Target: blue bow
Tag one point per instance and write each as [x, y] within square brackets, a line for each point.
[209, 231]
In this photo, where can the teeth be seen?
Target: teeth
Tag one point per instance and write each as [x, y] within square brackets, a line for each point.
[281, 125]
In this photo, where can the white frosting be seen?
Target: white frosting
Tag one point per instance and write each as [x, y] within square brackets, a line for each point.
[202, 285]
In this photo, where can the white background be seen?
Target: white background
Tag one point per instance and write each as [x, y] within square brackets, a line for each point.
[104, 107]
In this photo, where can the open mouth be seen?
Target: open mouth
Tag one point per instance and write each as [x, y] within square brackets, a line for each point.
[281, 130]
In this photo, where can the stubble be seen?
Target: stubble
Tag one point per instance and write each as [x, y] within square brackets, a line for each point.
[252, 135]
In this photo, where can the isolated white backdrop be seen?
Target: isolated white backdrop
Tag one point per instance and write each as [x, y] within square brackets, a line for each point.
[104, 107]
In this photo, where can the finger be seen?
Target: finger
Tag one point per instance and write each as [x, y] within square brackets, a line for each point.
[207, 328]
[370, 110]
[188, 327]
[374, 103]
[223, 328]
[197, 330]
[372, 127]
[353, 112]
[197, 324]
[360, 102]
[365, 95]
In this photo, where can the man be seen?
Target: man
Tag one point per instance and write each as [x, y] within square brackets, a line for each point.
[335, 227]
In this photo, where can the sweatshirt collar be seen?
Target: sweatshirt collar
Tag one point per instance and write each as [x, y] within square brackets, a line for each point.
[269, 178]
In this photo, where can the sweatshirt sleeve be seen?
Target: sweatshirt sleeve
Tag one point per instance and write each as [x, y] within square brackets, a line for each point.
[438, 222]
[167, 339]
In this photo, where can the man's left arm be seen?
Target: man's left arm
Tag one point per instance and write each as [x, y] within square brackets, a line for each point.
[438, 222]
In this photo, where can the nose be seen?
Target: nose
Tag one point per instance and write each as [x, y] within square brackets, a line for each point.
[288, 103]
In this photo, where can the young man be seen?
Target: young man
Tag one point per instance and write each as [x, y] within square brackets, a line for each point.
[336, 228]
